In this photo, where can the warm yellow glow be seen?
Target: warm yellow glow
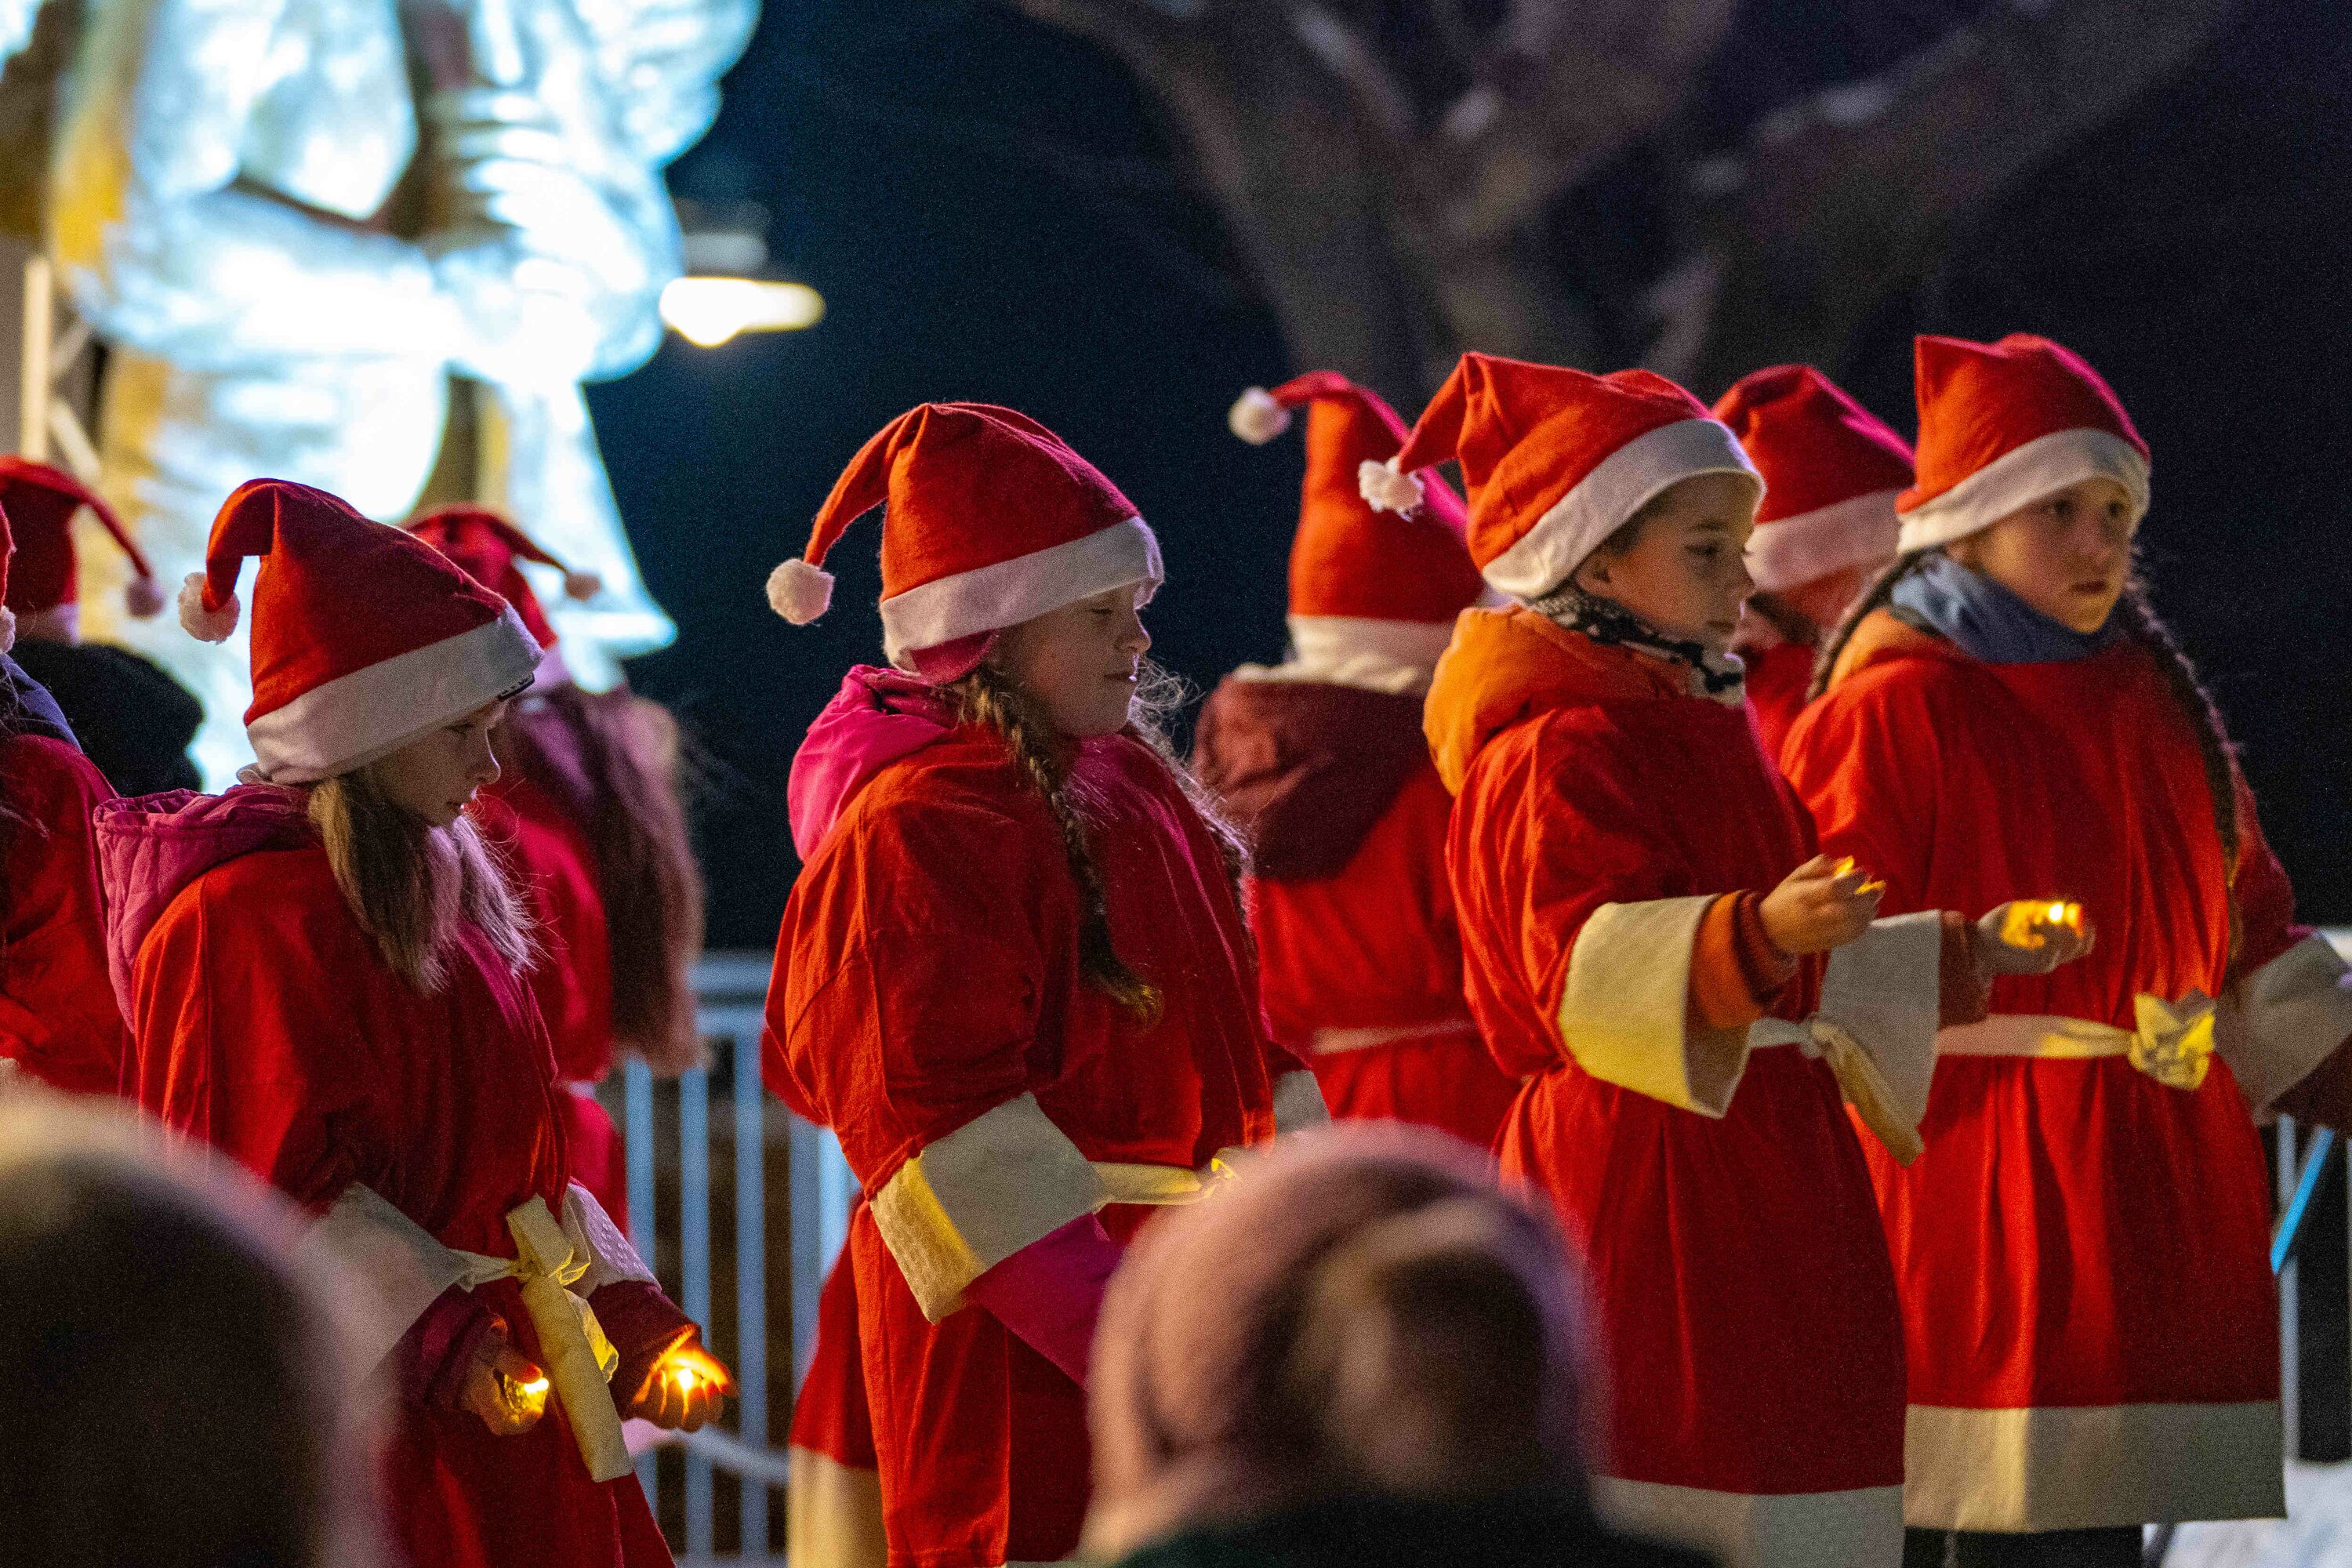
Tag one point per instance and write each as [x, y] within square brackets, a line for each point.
[710, 312]
[684, 1377]
[535, 1389]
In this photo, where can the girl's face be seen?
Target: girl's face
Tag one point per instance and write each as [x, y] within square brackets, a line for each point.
[1685, 572]
[434, 776]
[2067, 556]
[1080, 662]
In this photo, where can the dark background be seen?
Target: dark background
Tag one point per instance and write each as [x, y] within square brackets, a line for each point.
[991, 213]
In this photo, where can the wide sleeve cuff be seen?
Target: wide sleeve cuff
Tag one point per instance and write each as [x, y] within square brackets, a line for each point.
[1624, 1012]
[1298, 1102]
[644, 1325]
[401, 1268]
[611, 1259]
[967, 1201]
[1884, 989]
[2284, 1020]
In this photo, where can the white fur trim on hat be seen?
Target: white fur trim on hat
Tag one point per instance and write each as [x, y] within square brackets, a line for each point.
[989, 598]
[1391, 657]
[206, 625]
[1387, 488]
[1256, 418]
[2023, 476]
[799, 592]
[353, 719]
[1599, 504]
[1796, 550]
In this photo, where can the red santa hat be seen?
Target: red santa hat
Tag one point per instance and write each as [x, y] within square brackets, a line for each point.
[41, 502]
[363, 638]
[992, 520]
[1554, 460]
[1831, 472]
[2002, 426]
[1359, 575]
[488, 547]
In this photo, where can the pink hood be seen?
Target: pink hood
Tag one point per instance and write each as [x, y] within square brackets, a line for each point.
[152, 846]
[877, 717]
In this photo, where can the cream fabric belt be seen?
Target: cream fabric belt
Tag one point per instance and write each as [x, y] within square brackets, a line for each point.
[2173, 1043]
[1160, 1186]
[1330, 1042]
[550, 1258]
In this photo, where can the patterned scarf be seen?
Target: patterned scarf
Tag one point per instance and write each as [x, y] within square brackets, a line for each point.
[1718, 676]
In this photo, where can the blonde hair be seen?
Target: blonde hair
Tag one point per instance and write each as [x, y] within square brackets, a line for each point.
[987, 697]
[411, 886]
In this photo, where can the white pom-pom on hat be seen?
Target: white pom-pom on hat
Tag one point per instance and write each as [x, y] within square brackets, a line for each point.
[143, 597]
[204, 625]
[799, 592]
[1256, 418]
[1388, 490]
[581, 585]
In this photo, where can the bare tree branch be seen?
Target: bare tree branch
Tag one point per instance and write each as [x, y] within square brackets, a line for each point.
[1855, 194]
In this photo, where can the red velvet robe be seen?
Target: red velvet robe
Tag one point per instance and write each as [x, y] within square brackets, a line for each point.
[1777, 677]
[58, 1020]
[1358, 954]
[2083, 1251]
[265, 1023]
[1742, 1286]
[554, 866]
[927, 1005]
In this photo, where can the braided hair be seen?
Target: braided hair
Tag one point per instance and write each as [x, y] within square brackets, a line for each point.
[2144, 625]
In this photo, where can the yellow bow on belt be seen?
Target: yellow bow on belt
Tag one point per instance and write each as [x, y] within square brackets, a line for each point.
[2174, 1041]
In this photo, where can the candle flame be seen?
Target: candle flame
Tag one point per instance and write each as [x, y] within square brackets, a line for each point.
[684, 1377]
[534, 1389]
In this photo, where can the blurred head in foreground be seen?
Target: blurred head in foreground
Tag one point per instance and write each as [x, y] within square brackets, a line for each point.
[169, 1384]
[1362, 1314]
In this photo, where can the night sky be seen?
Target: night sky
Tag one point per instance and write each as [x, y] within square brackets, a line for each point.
[991, 213]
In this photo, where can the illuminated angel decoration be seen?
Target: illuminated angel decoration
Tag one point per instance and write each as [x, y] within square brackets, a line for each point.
[374, 246]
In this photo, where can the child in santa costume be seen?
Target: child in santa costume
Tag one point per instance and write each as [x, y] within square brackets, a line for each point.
[2092, 1332]
[323, 971]
[1014, 976]
[58, 1020]
[1320, 762]
[1644, 922]
[586, 809]
[1825, 529]
[132, 720]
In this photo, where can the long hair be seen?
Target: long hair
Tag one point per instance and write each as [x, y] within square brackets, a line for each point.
[2144, 625]
[986, 697]
[411, 886]
[614, 757]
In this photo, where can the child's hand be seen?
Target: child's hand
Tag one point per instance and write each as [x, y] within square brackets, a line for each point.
[1821, 905]
[2031, 936]
[684, 1390]
[503, 1387]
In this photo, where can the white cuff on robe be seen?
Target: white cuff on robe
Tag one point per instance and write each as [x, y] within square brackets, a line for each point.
[1624, 1011]
[2283, 1020]
[399, 1267]
[611, 1258]
[967, 1201]
[1298, 1102]
[1885, 988]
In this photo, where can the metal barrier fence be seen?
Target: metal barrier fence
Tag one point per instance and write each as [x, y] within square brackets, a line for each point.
[677, 1237]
